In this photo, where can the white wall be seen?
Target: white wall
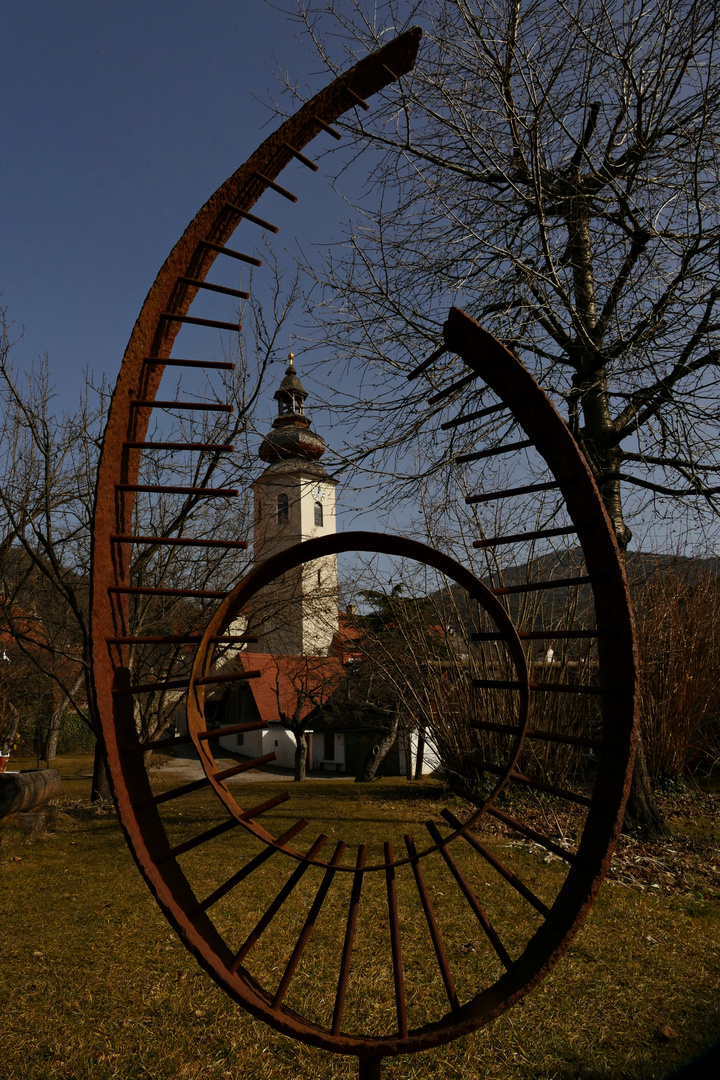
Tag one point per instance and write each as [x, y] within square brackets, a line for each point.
[298, 614]
[261, 742]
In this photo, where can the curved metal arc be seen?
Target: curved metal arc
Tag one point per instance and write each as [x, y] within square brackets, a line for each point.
[112, 511]
[140, 381]
[537, 415]
[512, 382]
[334, 544]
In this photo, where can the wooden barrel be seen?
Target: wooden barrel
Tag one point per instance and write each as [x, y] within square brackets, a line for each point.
[25, 790]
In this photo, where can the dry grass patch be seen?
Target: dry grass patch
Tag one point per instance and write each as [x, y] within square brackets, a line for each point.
[97, 986]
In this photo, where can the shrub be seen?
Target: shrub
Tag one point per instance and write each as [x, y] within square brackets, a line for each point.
[678, 625]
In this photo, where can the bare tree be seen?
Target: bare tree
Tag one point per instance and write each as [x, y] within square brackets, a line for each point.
[47, 487]
[304, 685]
[553, 169]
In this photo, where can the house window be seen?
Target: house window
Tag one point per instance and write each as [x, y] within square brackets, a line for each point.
[318, 513]
[328, 746]
[282, 509]
[240, 740]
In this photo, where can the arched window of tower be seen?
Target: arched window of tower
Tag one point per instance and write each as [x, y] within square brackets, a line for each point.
[282, 509]
[318, 513]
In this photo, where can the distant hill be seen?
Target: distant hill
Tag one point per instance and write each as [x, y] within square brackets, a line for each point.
[545, 608]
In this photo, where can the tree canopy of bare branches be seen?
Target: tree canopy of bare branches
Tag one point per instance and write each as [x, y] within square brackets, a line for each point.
[552, 168]
[47, 492]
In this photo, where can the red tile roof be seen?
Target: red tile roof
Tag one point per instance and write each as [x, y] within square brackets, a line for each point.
[291, 685]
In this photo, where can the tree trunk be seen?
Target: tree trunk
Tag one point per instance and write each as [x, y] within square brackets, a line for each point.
[420, 754]
[14, 727]
[641, 814]
[54, 730]
[100, 791]
[300, 756]
[378, 754]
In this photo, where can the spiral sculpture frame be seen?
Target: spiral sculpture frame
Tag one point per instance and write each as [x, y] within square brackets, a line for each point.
[612, 684]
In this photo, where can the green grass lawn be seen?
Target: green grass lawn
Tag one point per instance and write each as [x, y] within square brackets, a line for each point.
[95, 984]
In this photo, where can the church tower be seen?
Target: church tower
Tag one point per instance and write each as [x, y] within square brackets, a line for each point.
[294, 500]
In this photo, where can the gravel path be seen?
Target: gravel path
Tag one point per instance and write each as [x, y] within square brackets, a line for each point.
[180, 769]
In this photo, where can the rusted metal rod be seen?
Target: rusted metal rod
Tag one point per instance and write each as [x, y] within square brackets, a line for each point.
[233, 676]
[300, 157]
[532, 834]
[534, 586]
[509, 493]
[197, 406]
[222, 250]
[433, 927]
[326, 127]
[532, 733]
[493, 451]
[276, 187]
[398, 978]
[201, 838]
[479, 414]
[244, 766]
[230, 729]
[470, 896]
[198, 283]
[248, 869]
[170, 316]
[251, 217]
[308, 926]
[180, 541]
[222, 365]
[550, 789]
[508, 875]
[176, 793]
[442, 394]
[360, 101]
[277, 903]
[416, 371]
[349, 941]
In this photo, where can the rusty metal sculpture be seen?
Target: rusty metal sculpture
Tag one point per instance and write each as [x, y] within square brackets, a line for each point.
[164, 860]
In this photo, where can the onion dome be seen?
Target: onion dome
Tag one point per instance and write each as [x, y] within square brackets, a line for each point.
[291, 436]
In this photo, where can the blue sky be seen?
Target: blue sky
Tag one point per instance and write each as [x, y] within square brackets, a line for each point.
[119, 121]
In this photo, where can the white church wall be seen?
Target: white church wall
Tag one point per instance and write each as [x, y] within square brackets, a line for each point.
[250, 743]
[297, 614]
[283, 743]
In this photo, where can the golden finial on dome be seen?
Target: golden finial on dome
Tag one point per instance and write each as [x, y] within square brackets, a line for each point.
[291, 357]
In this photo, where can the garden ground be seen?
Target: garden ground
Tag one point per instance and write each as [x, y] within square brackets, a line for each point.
[96, 985]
